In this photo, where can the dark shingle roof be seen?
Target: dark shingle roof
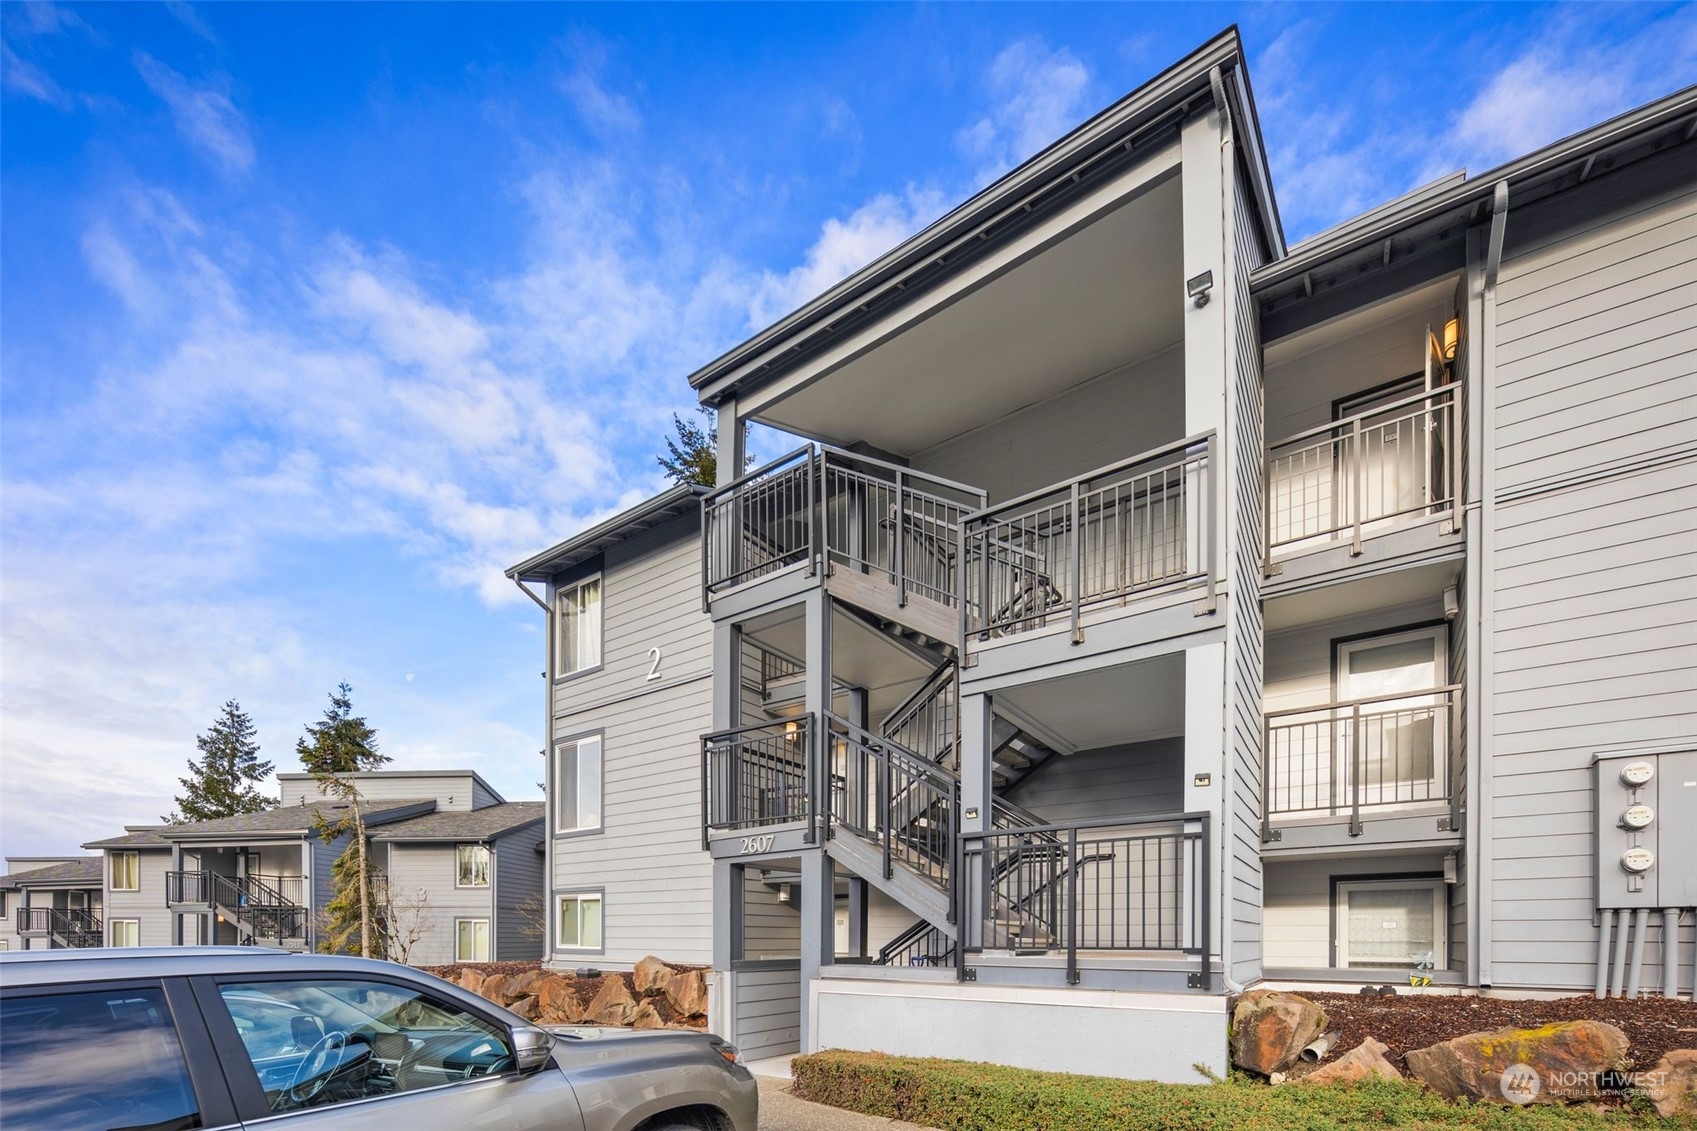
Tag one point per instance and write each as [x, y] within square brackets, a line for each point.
[73, 874]
[477, 824]
[137, 837]
[297, 819]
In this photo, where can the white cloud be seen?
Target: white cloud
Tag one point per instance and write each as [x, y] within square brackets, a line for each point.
[843, 247]
[1039, 95]
[204, 115]
[25, 78]
[604, 111]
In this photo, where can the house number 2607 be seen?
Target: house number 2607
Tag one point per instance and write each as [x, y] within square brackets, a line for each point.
[757, 843]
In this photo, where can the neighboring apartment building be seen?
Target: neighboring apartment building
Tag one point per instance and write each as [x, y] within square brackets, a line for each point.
[48, 902]
[1153, 610]
[462, 865]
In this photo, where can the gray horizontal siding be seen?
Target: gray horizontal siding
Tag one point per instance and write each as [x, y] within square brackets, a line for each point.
[1594, 578]
[771, 929]
[520, 877]
[458, 792]
[147, 905]
[432, 869]
[768, 1012]
[1118, 781]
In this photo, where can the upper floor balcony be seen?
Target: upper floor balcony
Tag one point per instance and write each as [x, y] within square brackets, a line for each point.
[61, 926]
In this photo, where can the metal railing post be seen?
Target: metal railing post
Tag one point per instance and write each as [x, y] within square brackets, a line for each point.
[1452, 704]
[810, 768]
[883, 769]
[1266, 512]
[1210, 518]
[1205, 975]
[706, 769]
[1073, 974]
[1355, 765]
[1358, 486]
[901, 541]
[1075, 519]
[1266, 780]
[1457, 454]
[984, 589]
[815, 474]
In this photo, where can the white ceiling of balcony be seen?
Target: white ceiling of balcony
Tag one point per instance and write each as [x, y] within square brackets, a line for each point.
[1108, 707]
[1108, 294]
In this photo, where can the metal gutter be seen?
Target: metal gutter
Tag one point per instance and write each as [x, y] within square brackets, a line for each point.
[1550, 161]
[1172, 95]
[621, 527]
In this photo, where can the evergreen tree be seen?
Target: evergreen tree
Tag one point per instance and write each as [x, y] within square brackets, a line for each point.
[221, 784]
[692, 455]
[334, 750]
[342, 743]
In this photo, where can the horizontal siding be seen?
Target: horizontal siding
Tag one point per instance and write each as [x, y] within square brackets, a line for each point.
[456, 792]
[431, 869]
[520, 872]
[771, 929]
[147, 904]
[1299, 903]
[1119, 781]
[767, 1011]
[1062, 437]
[1594, 577]
[1299, 660]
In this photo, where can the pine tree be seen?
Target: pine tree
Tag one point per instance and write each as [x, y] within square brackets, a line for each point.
[221, 784]
[335, 750]
[693, 454]
[342, 743]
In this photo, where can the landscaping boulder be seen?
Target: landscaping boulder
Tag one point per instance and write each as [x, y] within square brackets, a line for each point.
[645, 1016]
[1568, 1056]
[471, 979]
[559, 1002]
[687, 993]
[650, 976]
[494, 987]
[524, 984]
[1363, 1062]
[612, 1004]
[1269, 1030]
[1671, 1083]
[526, 1007]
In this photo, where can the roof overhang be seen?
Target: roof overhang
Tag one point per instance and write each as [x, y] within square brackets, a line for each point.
[1430, 223]
[401, 836]
[622, 527]
[1096, 151]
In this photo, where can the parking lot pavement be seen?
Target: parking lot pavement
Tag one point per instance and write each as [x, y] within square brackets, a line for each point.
[780, 1111]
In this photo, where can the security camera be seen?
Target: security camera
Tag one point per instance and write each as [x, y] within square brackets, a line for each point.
[1198, 286]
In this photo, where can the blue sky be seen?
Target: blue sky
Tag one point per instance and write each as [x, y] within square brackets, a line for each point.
[315, 317]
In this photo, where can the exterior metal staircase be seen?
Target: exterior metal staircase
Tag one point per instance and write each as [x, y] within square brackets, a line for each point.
[62, 927]
[262, 909]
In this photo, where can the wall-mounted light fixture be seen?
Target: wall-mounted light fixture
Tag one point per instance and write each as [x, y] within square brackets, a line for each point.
[1198, 286]
[1452, 602]
[1452, 338]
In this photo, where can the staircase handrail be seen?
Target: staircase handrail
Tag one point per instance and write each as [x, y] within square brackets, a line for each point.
[907, 708]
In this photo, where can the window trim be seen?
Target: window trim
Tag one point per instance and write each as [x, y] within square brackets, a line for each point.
[555, 793]
[598, 894]
[488, 937]
[111, 941]
[558, 618]
[1336, 949]
[488, 865]
[135, 865]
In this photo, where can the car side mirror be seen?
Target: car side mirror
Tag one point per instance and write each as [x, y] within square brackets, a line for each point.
[532, 1048]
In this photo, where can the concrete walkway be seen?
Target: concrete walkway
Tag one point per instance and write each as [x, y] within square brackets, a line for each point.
[780, 1111]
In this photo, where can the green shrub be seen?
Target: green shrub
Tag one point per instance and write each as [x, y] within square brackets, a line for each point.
[959, 1095]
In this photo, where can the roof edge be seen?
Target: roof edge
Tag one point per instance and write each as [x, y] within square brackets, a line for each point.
[621, 527]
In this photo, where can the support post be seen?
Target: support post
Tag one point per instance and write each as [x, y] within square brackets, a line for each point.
[818, 930]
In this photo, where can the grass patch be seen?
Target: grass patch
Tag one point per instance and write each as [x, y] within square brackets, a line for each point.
[959, 1095]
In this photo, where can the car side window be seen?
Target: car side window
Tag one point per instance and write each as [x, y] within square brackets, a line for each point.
[88, 1060]
[320, 1043]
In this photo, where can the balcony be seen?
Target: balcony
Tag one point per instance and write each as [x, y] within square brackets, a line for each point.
[65, 927]
[883, 535]
[1345, 485]
[262, 908]
[1385, 766]
[1133, 527]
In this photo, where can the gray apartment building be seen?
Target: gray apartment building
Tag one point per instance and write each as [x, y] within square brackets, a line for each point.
[462, 867]
[50, 901]
[1148, 609]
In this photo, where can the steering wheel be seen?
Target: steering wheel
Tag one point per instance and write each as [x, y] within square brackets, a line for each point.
[310, 1075]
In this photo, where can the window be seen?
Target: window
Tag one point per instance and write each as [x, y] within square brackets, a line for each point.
[319, 1043]
[577, 784]
[580, 922]
[579, 625]
[83, 1060]
[125, 932]
[471, 940]
[126, 871]
[1402, 734]
[472, 866]
[1392, 924]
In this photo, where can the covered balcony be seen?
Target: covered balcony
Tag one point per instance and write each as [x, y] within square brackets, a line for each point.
[61, 926]
[265, 909]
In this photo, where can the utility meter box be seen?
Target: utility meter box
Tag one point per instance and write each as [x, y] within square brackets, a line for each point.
[1646, 822]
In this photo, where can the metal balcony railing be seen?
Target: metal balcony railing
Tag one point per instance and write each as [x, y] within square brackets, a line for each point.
[1368, 755]
[926, 722]
[920, 945]
[1136, 525]
[828, 509]
[1109, 885]
[757, 776]
[72, 927]
[895, 798]
[1399, 460]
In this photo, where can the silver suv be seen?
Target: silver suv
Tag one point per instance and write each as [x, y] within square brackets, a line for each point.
[228, 1037]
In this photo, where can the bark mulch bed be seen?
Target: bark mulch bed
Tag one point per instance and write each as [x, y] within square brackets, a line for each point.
[585, 988]
[1413, 1020]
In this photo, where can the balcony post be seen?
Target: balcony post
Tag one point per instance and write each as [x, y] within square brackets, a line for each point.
[1453, 755]
[901, 540]
[1210, 513]
[1073, 975]
[1355, 827]
[1075, 522]
[1452, 437]
[1267, 833]
[1358, 486]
